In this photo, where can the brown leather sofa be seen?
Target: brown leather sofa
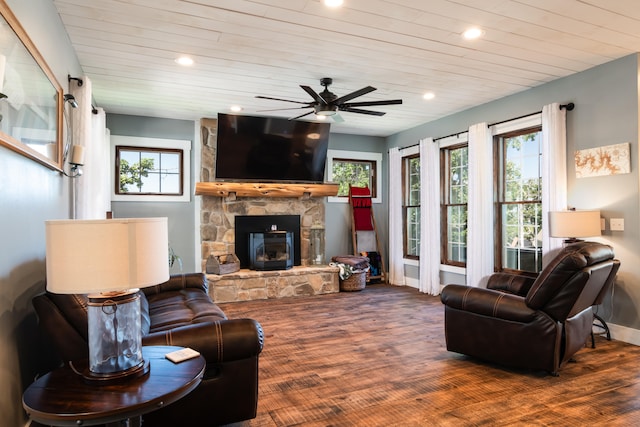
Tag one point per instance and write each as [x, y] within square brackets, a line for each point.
[531, 323]
[177, 312]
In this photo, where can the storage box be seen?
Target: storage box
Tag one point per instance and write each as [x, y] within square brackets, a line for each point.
[223, 264]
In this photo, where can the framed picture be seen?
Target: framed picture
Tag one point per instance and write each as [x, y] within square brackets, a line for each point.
[31, 99]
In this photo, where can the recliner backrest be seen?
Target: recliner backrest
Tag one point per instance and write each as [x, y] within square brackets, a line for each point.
[599, 275]
[575, 275]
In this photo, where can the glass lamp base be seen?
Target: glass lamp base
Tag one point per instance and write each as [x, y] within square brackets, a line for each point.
[115, 336]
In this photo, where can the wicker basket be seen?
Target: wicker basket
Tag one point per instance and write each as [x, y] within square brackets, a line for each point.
[356, 282]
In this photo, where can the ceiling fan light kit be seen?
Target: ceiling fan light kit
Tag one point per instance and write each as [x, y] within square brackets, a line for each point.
[327, 103]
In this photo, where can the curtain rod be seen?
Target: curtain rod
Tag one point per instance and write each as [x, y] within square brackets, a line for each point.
[569, 107]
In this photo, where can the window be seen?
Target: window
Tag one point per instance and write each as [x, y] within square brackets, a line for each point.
[358, 173]
[356, 168]
[150, 169]
[519, 205]
[455, 175]
[411, 205]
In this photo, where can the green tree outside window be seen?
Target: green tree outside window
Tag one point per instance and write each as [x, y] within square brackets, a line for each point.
[355, 173]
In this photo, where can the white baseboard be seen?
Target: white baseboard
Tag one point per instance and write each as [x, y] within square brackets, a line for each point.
[414, 283]
[623, 333]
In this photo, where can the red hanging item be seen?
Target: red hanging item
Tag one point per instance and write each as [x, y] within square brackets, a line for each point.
[360, 199]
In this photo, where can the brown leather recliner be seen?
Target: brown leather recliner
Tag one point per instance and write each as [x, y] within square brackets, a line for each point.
[537, 323]
[177, 312]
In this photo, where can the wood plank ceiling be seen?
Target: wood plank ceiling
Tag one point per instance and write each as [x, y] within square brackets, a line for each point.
[404, 48]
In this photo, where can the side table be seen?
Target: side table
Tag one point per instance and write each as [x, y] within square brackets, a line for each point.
[63, 398]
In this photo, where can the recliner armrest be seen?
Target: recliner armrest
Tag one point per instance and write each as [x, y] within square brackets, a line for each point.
[220, 341]
[487, 302]
[516, 284]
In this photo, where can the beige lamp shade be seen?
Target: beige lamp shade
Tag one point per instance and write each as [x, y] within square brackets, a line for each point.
[91, 256]
[571, 224]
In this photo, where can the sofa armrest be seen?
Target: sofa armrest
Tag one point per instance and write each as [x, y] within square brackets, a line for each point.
[516, 284]
[220, 341]
[487, 302]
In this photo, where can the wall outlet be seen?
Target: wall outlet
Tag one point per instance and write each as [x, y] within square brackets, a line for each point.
[617, 224]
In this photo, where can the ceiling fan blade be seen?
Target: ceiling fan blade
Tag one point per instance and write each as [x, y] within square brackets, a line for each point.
[301, 115]
[284, 109]
[280, 99]
[355, 94]
[372, 103]
[313, 94]
[361, 111]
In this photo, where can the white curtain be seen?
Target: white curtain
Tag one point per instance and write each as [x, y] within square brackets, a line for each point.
[91, 190]
[429, 217]
[396, 258]
[480, 224]
[554, 172]
[99, 197]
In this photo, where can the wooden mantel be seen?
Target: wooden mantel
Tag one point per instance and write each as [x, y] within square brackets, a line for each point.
[255, 189]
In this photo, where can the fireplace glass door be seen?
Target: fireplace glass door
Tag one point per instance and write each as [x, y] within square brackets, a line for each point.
[271, 250]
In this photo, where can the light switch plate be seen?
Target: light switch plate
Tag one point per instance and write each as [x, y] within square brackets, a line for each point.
[617, 224]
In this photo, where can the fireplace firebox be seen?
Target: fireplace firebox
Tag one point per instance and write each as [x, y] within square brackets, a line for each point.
[247, 224]
[271, 250]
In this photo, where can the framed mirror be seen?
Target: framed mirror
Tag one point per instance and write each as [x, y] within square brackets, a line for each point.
[31, 99]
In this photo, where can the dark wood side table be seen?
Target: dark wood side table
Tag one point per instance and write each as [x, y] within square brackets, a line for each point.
[63, 398]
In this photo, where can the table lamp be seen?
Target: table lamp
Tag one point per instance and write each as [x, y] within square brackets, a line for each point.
[109, 260]
[572, 224]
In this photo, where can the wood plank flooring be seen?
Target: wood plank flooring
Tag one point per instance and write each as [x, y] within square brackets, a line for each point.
[378, 358]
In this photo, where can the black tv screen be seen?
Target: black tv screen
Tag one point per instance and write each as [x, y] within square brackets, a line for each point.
[270, 149]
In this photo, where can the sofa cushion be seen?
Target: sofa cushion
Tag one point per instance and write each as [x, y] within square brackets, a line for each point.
[179, 281]
[169, 310]
[181, 300]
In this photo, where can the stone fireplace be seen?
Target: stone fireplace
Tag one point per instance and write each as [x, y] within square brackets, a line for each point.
[218, 237]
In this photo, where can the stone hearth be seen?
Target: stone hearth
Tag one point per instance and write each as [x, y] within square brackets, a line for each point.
[246, 285]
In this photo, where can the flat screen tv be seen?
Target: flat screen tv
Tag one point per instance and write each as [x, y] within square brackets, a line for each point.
[270, 149]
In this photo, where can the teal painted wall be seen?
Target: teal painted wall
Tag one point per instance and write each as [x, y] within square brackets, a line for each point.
[606, 112]
[29, 194]
[338, 215]
[180, 215]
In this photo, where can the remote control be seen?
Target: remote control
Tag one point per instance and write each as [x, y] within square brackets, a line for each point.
[182, 355]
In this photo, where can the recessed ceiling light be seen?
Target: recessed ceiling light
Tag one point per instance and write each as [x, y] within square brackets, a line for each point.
[333, 3]
[472, 33]
[184, 60]
[235, 108]
[429, 95]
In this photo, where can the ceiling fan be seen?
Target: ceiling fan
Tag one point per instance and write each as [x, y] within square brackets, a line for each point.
[327, 103]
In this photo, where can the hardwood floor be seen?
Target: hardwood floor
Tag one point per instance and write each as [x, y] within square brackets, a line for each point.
[378, 358]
